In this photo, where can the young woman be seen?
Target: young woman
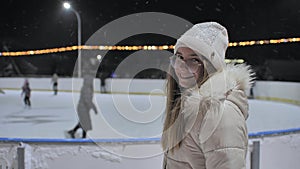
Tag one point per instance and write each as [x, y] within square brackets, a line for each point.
[206, 112]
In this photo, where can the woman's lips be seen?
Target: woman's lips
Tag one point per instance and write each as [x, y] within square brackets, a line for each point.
[186, 77]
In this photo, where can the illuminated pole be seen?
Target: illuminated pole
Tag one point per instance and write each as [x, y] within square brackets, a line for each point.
[68, 6]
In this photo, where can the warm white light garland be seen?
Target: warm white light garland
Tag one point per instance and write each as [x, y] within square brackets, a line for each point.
[145, 47]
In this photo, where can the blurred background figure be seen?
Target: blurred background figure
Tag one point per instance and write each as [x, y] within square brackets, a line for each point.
[251, 94]
[26, 92]
[102, 81]
[54, 81]
[84, 106]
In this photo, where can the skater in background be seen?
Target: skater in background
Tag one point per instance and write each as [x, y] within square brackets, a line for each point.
[251, 96]
[26, 92]
[54, 82]
[84, 106]
[207, 106]
[102, 82]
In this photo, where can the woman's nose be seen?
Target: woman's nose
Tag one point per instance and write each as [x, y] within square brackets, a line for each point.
[183, 65]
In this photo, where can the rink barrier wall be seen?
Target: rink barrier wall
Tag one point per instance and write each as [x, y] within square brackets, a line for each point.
[79, 140]
[136, 140]
[287, 92]
[86, 154]
[273, 132]
[44, 84]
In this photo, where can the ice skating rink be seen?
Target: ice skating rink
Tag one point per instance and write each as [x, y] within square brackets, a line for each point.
[120, 115]
[127, 129]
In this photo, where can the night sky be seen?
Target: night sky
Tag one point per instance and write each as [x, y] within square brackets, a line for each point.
[42, 24]
[34, 24]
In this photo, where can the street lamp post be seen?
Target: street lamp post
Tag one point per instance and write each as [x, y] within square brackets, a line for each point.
[68, 6]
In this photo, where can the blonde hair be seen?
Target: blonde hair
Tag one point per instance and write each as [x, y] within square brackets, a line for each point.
[173, 128]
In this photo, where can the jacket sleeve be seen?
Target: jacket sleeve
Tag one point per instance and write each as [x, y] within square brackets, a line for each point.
[226, 158]
[226, 147]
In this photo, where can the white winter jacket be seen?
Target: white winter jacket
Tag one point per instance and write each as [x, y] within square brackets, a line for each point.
[215, 123]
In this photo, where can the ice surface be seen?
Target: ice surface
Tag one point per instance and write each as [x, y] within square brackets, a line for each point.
[120, 115]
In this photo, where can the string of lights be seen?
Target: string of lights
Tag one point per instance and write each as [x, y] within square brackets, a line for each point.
[145, 47]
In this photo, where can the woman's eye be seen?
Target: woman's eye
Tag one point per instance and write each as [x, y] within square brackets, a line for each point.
[195, 60]
[180, 57]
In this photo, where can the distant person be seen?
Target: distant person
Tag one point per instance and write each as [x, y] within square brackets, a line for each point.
[84, 106]
[54, 81]
[26, 92]
[1, 91]
[102, 87]
[251, 91]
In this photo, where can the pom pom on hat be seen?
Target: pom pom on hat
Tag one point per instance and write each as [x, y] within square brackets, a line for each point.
[209, 39]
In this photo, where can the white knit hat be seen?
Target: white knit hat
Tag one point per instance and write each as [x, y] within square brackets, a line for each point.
[209, 39]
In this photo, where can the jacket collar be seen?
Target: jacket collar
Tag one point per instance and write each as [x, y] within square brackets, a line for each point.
[231, 83]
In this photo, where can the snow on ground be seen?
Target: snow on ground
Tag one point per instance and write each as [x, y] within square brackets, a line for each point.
[120, 115]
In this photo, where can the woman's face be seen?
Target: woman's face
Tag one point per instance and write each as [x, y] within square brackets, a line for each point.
[188, 67]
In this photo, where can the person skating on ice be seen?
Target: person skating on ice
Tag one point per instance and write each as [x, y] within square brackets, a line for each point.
[26, 92]
[54, 82]
[84, 106]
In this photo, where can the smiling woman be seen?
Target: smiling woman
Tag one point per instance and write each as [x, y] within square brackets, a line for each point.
[188, 67]
[207, 106]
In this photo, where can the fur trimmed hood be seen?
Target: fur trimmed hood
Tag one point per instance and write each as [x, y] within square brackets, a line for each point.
[233, 77]
[230, 84]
